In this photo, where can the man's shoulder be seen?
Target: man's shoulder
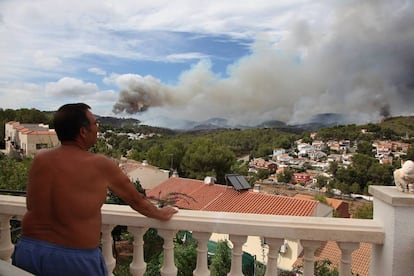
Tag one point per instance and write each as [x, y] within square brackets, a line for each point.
[43, 153]
[101, 159]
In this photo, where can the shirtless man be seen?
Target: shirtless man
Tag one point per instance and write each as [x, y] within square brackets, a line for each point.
[67, 187]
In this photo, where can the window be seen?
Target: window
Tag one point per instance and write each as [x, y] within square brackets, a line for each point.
[41, 146]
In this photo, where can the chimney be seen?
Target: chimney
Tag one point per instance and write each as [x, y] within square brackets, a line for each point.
[174, 173]
[257, 188]
[209, 180]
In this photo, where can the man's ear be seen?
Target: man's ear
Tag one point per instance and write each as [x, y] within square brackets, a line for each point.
[83, 132]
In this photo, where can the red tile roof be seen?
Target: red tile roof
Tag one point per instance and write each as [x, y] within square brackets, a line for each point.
[329, 250]
[215, 197]
[31, 129]
[340, 206]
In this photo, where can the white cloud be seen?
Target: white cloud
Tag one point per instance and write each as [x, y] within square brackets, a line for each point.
[70, 87]
[185, 57]
[308, 56]
[97, 71]
[16, 95]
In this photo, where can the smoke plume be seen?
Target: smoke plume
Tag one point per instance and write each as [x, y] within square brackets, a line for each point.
[361, 64]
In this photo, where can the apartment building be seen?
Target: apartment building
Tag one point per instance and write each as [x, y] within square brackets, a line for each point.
[24, 140]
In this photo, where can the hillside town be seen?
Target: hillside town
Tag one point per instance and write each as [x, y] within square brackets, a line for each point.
[311, 159]
[308, 160]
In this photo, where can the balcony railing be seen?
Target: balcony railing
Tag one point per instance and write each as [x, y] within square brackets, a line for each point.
[390, 233]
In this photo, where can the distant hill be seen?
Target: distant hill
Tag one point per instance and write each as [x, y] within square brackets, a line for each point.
[117, 122]
[401, 125]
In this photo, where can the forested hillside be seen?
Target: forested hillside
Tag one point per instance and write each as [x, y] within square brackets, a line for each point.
[215, 151]
[401, 125]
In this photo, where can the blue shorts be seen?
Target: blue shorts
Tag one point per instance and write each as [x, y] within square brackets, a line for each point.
[43, 258]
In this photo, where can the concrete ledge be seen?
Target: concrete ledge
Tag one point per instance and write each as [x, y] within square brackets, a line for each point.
[7, 269]
[392, 196]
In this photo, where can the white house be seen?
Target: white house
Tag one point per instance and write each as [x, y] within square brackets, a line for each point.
[26, 139]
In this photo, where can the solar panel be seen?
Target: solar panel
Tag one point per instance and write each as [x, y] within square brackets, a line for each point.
[237, 181]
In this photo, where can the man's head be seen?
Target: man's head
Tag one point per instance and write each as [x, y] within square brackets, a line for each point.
[69, 119]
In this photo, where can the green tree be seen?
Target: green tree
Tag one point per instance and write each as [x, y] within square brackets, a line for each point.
[306, 138]
[14, 174]
[355, 188]
[240, 167]
[363, 171]
[204, 158]
[410, 153]
[185, 254]
[221, 261]
[322, 181]
[263, 174]
[365, 147]
[154, 156]
[286, 176]
[366, 211]
[333, 168]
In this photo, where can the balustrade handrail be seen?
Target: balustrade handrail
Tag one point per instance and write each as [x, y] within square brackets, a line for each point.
[271, 226]
[348, 233]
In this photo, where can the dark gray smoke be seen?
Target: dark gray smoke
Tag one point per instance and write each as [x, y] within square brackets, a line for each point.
[133, 101]
[139, 94]
[385, 111]
[362, 64]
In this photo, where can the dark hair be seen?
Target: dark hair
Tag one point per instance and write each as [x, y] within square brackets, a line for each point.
[68, 120]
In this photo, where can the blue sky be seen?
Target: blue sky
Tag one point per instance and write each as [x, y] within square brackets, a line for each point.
[245, 61]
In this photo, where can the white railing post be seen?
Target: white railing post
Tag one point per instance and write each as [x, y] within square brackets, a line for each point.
[107, 243]
[309, 248]
[236, 260]
[394, 210]
[6, 246]
[138, 265]
[274, 246]
[345, 268]
[168, 268]
[202, 251]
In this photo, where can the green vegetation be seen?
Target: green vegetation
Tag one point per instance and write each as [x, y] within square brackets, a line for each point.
[200, 153]
[364, 212]
[214, 153]
[399, 125]
[221, 262]
[14, 173]
[363, 171]
[321, 268]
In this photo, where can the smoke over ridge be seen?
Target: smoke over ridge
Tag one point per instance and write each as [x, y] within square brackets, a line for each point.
[361, 64]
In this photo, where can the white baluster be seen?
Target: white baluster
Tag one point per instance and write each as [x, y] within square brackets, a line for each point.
[236, 260]
[6, 246]
[138, 265]
[168, 268]
[107, 243]
[345, 268]
[202, 251]
[274, 245]
[309, 248]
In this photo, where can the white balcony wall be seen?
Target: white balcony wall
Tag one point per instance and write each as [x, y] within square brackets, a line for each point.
[390, 232]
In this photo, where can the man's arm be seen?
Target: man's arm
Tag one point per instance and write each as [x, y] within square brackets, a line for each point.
[120, 184]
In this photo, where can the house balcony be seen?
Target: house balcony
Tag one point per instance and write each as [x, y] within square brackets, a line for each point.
[390, 233]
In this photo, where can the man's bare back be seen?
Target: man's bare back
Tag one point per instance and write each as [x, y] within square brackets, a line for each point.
[67, 187]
